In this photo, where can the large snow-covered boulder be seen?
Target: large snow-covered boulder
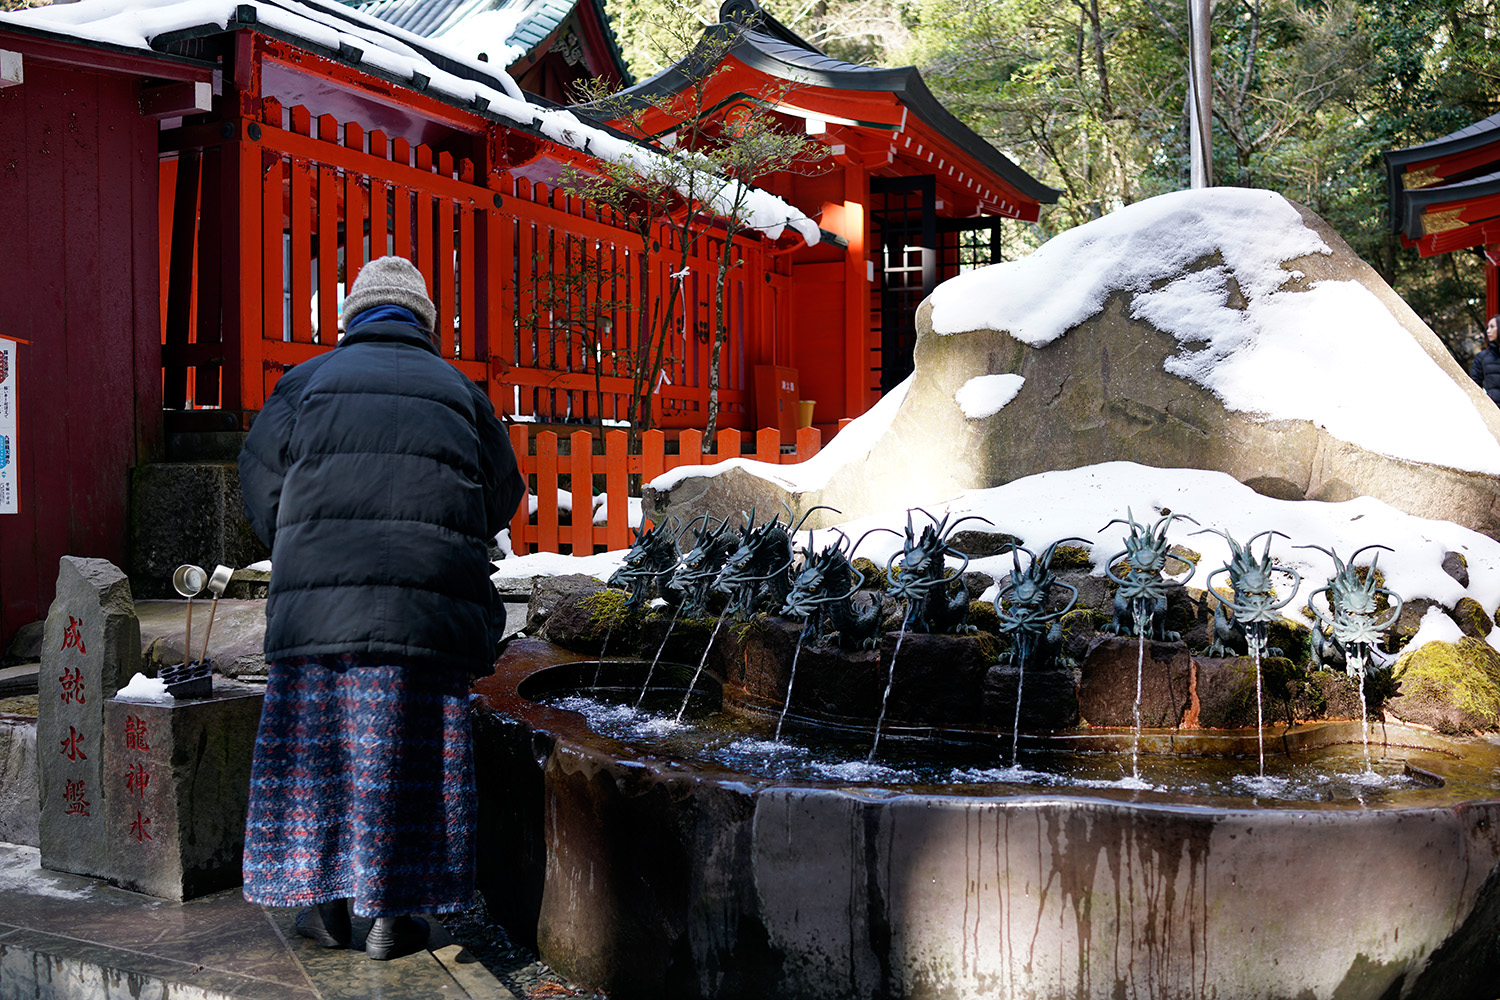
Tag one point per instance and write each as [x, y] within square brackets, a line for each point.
[1224, 329]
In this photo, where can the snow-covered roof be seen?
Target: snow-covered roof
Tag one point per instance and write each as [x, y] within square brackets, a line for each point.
[504, 30]
[761, 42]
[374, 46]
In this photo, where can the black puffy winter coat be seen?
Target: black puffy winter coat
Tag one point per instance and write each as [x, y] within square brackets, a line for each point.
[1485, 371]
[377, 475]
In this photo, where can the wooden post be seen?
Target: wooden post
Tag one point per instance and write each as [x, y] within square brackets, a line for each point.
[354, 209]
[581, 478]
[328, 239]
[653, 455]
[546, 492]
[241, 276]
[301, 238]
[727, 444]
[856, 291]
[1491, 287]
[768, 445]
[616, 490]
[520, 522]
[690, 448]
[809, 442]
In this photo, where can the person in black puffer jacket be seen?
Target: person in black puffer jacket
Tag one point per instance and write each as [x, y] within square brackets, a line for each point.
[1485, 369]
[378, 476]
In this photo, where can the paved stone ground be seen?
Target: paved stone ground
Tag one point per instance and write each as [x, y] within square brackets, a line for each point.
[519, 969]
[20, 705]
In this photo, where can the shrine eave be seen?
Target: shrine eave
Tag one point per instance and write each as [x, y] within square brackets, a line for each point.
[1438, 171]
[63, 49]
[862, 96]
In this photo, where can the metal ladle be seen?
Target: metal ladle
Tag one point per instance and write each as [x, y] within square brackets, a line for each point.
[189, 581]
[216, 585]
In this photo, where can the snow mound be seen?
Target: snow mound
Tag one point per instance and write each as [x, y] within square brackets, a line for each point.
[1330, 352]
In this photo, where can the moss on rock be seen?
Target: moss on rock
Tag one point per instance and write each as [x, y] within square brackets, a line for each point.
[1066, 557]
[608, 608]
[875, 578]
[982, 616]
[1454, 687]
[1289, 637]
[1471, 618]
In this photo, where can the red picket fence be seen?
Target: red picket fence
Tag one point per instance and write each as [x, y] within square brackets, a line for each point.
[265, 221]
[548, 469]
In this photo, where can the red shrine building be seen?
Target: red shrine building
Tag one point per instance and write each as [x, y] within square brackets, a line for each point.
[193, 196]
[1444, 195]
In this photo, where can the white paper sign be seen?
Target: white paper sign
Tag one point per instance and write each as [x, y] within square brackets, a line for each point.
[9, 488]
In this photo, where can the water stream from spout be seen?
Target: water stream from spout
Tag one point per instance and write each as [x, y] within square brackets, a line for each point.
[699, 671]
[1142, 623]
[1364, 710]
[1260, 723]
[652, 668]
[890, 678]
[1015, 729]
[600, 665]
[789, 682]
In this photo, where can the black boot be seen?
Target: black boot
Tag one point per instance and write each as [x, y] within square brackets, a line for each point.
[392, 937]
[327, 923]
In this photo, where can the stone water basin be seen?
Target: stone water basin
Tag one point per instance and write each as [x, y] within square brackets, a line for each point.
[646, 873]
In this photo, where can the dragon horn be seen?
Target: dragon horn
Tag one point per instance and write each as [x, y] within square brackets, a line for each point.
[1327, 552]
[1372, 545]
[808, 513]
[868, 534]
[967, 517]
[1110, 562]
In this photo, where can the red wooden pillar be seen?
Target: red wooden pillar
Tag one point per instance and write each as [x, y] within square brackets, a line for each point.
[240, 269]
[1491, 282]
[856, 291]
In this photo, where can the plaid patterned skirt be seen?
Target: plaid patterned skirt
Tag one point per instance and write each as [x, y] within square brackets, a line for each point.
[362, 788]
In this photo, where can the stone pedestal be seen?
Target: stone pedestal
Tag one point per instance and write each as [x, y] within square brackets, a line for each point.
[179, 781]
[91, 641]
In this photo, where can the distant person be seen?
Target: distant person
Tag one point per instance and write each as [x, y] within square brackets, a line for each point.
[378, 476]
[1485, 369]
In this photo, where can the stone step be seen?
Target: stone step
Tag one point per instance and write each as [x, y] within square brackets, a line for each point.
[63, 937]
[19, 679]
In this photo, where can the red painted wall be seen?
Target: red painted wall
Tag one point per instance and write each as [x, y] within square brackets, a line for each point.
[78, 181]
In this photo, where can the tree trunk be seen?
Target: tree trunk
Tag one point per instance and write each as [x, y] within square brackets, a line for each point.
[721, 334]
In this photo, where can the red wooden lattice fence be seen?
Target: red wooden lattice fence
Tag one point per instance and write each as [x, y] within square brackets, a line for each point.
[547, 471]
[262, 231]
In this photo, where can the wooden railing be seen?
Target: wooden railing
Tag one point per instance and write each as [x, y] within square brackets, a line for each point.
[586, 470]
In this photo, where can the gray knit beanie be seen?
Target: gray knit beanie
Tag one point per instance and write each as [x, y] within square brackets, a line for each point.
[390, 281]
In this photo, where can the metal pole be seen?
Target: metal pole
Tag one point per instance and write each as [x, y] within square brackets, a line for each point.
[1200, 123]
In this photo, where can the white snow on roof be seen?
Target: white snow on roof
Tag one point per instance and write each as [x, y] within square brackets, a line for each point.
[1332, 354]
[486, 32]
[134, 23]
[986, 395]
[851, 444]
[1043, 508]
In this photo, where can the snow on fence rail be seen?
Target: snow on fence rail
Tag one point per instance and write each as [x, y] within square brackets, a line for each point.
[548, 470]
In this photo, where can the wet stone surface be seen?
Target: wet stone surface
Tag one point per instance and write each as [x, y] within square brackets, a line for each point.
[517, 967]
